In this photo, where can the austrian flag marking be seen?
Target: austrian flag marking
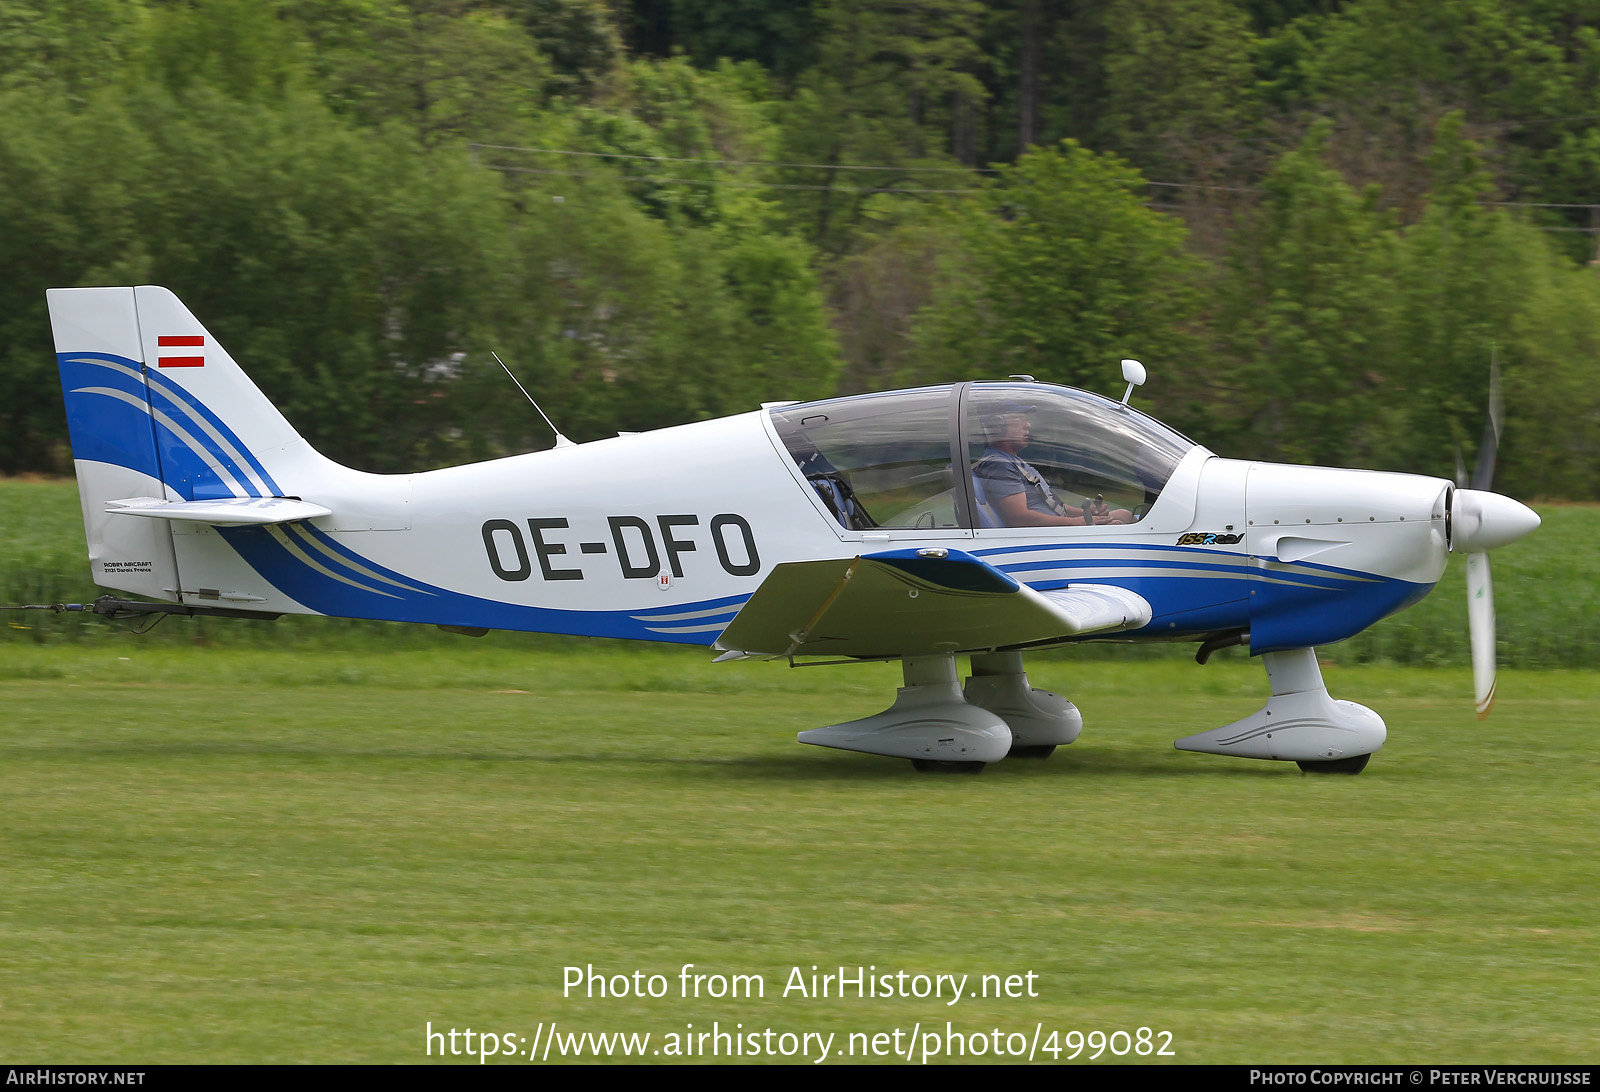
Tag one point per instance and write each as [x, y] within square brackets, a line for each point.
[179, 341]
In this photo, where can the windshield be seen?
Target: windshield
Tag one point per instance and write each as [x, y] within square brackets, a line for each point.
[1054, 456]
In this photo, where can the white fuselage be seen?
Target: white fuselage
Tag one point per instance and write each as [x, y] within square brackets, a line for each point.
[662, 535]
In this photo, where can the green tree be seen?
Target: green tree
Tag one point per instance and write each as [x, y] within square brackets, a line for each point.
[445, 70]
[579, 37]
[72, 215]
[1060, 271]
[779, 35]
[343, 267]
[663, 116]
[1460, 274]
[1473, 282]
[1355, 340]
[624, 320]
[1526, 72]
[71, 47]
[1306, 313]
[241, 48]
[1551, 444]
[888, 89]
[1178, 84]
[877, 295]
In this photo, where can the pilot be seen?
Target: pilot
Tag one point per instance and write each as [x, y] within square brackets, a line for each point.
[1019, 494]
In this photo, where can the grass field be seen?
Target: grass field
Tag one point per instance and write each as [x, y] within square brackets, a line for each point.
[231, 854]
[307, 840]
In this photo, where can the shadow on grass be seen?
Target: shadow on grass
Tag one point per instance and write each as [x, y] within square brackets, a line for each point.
[806, 764]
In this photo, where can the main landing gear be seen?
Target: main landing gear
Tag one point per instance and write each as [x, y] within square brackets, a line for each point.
[942, 727]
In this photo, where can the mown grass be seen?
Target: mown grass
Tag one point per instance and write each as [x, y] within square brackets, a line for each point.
[231, 854]
[1546, 594]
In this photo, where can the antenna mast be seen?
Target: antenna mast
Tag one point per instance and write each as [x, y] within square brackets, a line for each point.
[561, 441]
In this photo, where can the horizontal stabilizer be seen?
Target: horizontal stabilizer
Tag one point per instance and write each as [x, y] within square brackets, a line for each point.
[230, 512]
[915, 603]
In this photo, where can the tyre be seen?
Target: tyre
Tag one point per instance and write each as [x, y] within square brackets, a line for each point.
[1339, 765]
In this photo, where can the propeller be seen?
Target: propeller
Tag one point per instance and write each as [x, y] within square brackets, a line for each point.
[1481, 520]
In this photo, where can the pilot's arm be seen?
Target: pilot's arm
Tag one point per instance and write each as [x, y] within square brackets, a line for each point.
[1013, 511]
[1008, 482]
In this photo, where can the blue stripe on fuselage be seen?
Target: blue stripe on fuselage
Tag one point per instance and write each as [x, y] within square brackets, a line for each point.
[1193, 591]
[354, 593]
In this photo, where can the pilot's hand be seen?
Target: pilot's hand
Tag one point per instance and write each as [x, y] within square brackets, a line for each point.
[1100, 512]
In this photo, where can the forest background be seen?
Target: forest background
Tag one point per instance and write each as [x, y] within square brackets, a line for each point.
[1316, 221]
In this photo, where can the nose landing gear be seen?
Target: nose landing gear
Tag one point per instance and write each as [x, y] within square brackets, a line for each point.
[1299, 723]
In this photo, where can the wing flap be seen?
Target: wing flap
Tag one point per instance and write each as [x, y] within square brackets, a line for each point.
[1099, 608]
[228, 512]
[913, 603]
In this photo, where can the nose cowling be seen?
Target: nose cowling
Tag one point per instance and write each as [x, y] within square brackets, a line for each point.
[1481, 520]
[1332, 551]
[1387, 525]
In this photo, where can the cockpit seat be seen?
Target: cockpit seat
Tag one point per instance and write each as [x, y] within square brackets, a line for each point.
[986, 516]
[840, 499]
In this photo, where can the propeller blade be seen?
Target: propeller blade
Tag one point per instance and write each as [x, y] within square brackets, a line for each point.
[1480, 623]
[1481, 521]
[1483, 473]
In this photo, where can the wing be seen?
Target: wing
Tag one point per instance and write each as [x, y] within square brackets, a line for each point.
[915, 603]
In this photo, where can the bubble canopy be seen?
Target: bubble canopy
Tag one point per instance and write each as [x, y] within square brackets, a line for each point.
[980, 455]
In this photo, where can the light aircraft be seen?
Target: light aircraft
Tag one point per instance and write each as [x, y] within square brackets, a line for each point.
[979, 519]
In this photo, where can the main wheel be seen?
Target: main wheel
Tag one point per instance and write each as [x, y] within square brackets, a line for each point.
[1031, 750]
[934, 765]
[1339, 765]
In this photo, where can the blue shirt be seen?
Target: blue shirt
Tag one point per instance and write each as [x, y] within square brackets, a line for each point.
[1002, 474]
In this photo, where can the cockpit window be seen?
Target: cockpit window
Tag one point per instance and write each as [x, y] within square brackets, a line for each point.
[1036, 455]
[877, 460]
[1053, 456]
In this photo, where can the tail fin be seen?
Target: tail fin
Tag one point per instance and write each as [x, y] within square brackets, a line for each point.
[157, 409]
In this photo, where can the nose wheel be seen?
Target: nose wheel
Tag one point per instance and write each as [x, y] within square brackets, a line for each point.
[1338, 765]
